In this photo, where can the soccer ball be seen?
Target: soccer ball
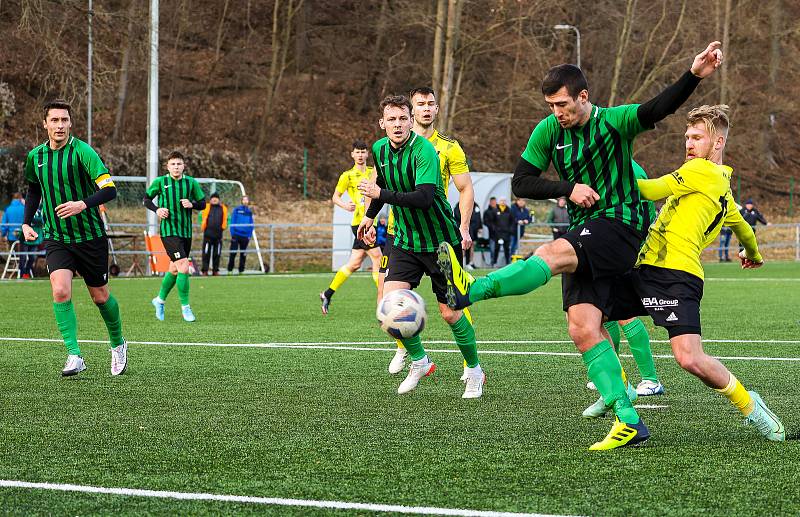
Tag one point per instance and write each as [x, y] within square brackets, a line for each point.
[402, 314]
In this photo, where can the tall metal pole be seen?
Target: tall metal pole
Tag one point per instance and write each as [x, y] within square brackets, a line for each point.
[565, 27]
[89, 81]
[152, 108]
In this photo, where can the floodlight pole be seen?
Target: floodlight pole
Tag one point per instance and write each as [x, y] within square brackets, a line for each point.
[565, 27]
[89, 81]
[152, 108]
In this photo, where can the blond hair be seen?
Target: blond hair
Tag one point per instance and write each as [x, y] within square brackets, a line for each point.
[714, 117]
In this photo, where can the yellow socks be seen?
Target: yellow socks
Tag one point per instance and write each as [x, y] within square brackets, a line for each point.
[738, 396]
[399, 343]
[340, 277]
[375, 278]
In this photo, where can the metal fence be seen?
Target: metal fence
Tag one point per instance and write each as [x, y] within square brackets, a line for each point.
[304, 247]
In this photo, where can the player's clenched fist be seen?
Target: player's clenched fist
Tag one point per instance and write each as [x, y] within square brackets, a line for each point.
[583, 195]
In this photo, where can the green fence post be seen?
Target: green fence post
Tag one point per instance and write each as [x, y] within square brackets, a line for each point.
[738, 188]
[305, 172]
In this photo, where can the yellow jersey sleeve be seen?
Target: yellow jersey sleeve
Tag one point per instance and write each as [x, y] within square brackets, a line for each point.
[343, 183]
[655, 189]
[744, 232]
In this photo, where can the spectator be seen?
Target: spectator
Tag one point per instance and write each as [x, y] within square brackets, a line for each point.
[380, 231]
[475, 226]
[522, 217]
[241, 232]
[12, 219]
[504, 229]
[752, 215]
[214, 221]
[26, 262]
[558, 218]
[724, 243]
[490, 221]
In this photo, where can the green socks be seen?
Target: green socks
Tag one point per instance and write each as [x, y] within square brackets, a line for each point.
[110, 313]
[67, 325]
[183, 288]
[639, 341]
[613, 330]
[605, 372]
[465, 339]
[414, 347]
[166, 285]
[520, 277]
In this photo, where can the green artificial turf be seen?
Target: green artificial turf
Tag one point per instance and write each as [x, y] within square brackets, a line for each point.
[324, 424]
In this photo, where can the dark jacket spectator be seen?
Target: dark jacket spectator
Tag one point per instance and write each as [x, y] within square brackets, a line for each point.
[505, 226]
[490, 218]
[12, 218]
[475, 225]
[522, 215]
[214, 221]
[752, 215]
[558, 218]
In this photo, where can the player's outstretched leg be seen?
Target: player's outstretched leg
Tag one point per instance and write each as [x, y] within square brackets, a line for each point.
[605, 371]
[520, 277]
[421, 366]
[639, 341]
[68, 326]
[119, 348]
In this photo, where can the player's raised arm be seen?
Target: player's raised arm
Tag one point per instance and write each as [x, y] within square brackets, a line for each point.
[673, 97]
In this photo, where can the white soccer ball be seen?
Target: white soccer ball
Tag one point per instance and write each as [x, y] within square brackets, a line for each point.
[402, 314]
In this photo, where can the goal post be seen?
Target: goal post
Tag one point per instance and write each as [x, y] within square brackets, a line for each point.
[127, 207]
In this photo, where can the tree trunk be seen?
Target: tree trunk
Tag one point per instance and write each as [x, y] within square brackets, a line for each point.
[773, 97]
[726, 30]
[368, 92]
[122, 92]
[438, 39]
[215, 63]
[450, 47]
[622, 44]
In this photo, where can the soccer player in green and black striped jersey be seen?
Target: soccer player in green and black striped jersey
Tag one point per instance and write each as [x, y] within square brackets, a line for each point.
[410, 181]
[70, 180]
[591, 149]
[178, 194]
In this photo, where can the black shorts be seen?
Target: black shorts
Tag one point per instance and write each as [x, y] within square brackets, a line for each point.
[386, 250]
[89, 259]
[177, 247]
[359, 244]
[671, 297]
[607, 251]
[409, 266]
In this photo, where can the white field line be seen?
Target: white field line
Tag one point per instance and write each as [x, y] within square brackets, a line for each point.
[650, 406]
[274, 501]
[357, 346]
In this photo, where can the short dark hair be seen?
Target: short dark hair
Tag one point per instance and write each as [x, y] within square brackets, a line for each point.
[569, 76]
[422, 90]
[398, 101]
[59, 104]
[359, 144]
[176, 155]
[214, 194]
[16, 195]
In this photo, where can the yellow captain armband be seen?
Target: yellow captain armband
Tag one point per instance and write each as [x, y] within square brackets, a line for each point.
[104, 181]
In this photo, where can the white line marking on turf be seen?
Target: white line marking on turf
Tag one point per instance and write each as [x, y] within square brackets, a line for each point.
[275, 501]
[348, 346]
[650, 406]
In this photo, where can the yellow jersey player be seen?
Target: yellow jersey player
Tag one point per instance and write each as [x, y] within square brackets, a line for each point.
[452, 164]
[668, 277]
[348, 182]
